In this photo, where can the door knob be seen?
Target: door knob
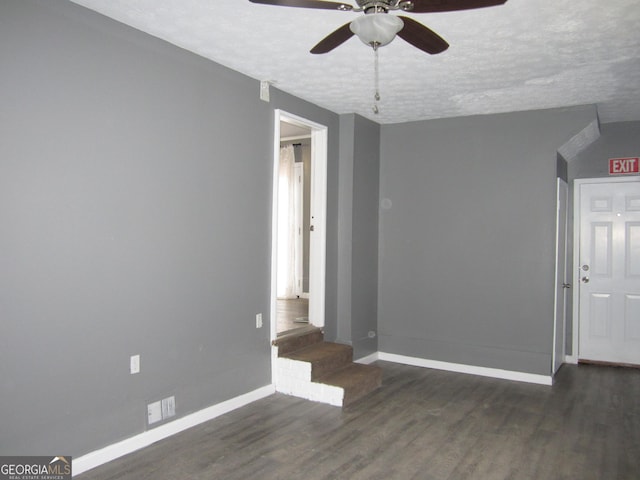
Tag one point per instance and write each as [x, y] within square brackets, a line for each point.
[585, 279]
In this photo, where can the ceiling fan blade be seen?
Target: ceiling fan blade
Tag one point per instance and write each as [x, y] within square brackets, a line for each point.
[422, 37]
[431, 6]
[306, 4]
[333, 40]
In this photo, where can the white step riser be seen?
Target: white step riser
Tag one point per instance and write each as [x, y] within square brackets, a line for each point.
[294, 378]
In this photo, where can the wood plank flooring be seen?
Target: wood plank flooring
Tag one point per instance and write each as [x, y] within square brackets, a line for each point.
[287, 311]
[421, 424]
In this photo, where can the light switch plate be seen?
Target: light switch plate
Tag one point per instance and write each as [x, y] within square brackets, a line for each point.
[154, 412]
[134, 364]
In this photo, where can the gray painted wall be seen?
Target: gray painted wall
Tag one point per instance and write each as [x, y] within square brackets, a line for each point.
[364, 273]
[467, 237]
[562, 168]
[616, 140]
[358, 233]
[345, 227]
[131, 206]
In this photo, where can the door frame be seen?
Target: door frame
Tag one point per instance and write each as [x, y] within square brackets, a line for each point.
[575, 350]
[318, 209]
[562, 192]
[298, 223]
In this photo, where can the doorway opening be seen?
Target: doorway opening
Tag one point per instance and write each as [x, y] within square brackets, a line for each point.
[298, 234]
[294, 221]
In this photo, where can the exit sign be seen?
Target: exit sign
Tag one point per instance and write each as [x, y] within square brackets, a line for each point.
[622, 166]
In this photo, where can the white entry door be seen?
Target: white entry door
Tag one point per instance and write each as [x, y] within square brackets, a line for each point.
[609, 271]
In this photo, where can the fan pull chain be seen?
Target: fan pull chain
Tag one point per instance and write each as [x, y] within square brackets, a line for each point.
[376, 80]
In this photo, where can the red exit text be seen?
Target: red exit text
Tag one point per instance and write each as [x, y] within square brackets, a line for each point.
[619, 166]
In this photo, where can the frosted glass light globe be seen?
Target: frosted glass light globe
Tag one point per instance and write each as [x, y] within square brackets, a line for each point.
[376, 29]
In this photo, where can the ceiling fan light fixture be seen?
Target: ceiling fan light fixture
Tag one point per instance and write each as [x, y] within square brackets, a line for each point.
[376, 30]
[406, 5]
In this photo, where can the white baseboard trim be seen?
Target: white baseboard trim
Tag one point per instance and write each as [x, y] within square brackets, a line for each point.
[104, 455]
[368, 359]
[469, 369]
[107, 454]
[571, 359]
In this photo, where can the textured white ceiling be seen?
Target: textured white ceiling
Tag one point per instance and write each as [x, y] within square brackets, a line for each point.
[524, 55]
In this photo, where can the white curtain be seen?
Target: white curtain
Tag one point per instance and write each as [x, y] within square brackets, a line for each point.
[286, 218]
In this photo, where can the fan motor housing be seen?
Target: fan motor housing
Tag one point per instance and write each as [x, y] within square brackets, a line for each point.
[383, 6]
[367, 5]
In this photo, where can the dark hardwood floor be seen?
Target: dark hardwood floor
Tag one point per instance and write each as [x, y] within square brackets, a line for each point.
[289, 312]
[421, 424]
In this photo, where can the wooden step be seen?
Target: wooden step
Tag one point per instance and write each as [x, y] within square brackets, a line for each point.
[357, 380]
[324, 357]
[297, 340]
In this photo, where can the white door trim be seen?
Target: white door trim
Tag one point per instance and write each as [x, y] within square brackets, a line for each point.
[575, 353]
[562, 193]
[318, 238]
[317, 248]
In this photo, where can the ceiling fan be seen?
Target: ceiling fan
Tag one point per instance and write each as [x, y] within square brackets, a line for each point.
[377, 29]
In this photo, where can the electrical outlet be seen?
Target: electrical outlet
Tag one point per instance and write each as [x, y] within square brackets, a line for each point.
[258, 320]
[154, 412]
[134, 364]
